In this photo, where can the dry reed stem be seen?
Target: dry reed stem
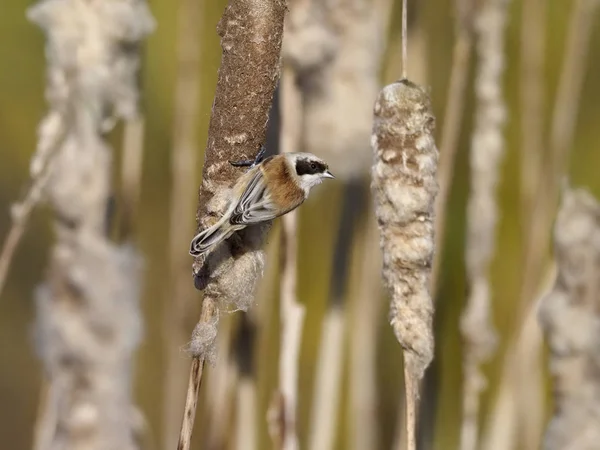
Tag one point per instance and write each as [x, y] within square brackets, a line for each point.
[245, 348]
[251, 34]
[404, 187]
[532, 86]
[45, 424]
[184, 157]
[88, 323]
[246, 430]
[221, 381]
[327, 390]
[453, 119]
[363, 345]
[562, 130]
[335, 52]
[131, 172]
[283, 412]
[292, 319]
[570, 317]
[487, 152]
[404, 40]
[51, 135]
[208, 316]
[530, 401]
[501, 430]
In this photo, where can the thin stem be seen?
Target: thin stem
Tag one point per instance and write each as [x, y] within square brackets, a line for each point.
[52, 134]
[292, 312]
[131, 172]
[404, 40]
[412, 392]
[184, 156]
[453, 119]
[209, 311]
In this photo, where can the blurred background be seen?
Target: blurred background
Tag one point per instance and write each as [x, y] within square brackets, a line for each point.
[432, 36]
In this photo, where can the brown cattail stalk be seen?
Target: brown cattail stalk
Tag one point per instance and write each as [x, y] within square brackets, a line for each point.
[251, 33]
[453, 119]
[89, 321]
[404, 187]
[569, 316]
[184, 154]
[487, 151]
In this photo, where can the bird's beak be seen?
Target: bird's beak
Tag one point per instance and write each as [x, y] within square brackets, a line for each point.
[328, 174]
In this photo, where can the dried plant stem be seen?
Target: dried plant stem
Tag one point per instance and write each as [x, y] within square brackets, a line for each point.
[184, 155]
[45, 425]
[131, 172]
[292, 319]
[363, 345]
[412, 393]
[251, 34]
[51, 136]
[220, 390]
[562, 131]
[487, 150]
[326, 395]
[20, 216]
[292, 312]
[404, 187]
[404, 40]
[208, 315]
[501, 430]
[533, 36]
[530, 397]
[246, 434]
[453, 119]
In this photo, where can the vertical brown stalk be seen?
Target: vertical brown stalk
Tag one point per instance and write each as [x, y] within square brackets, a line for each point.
[569, 316]
[404, 187]
[184, 155]
[89, 322]
[453, 119]
[487, 152]
[251, 33]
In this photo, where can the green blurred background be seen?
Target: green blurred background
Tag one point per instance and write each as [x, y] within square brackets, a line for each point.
[22, 106]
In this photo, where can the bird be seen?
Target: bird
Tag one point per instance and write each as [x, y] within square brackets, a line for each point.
[272, 187]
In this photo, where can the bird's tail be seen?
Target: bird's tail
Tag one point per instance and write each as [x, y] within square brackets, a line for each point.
[209, 238]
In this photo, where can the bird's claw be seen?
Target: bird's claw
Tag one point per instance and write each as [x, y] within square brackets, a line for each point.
[251, 163]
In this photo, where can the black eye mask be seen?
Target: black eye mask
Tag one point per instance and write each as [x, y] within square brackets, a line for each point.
[306, 167]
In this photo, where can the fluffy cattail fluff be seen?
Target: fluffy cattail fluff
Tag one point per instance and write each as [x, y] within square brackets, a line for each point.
[404, 188]
[570, 315]
[88, 323]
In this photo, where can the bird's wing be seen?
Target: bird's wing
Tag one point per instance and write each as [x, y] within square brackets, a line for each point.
[254, 205]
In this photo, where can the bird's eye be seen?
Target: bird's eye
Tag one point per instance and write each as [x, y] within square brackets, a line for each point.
[313, 166]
